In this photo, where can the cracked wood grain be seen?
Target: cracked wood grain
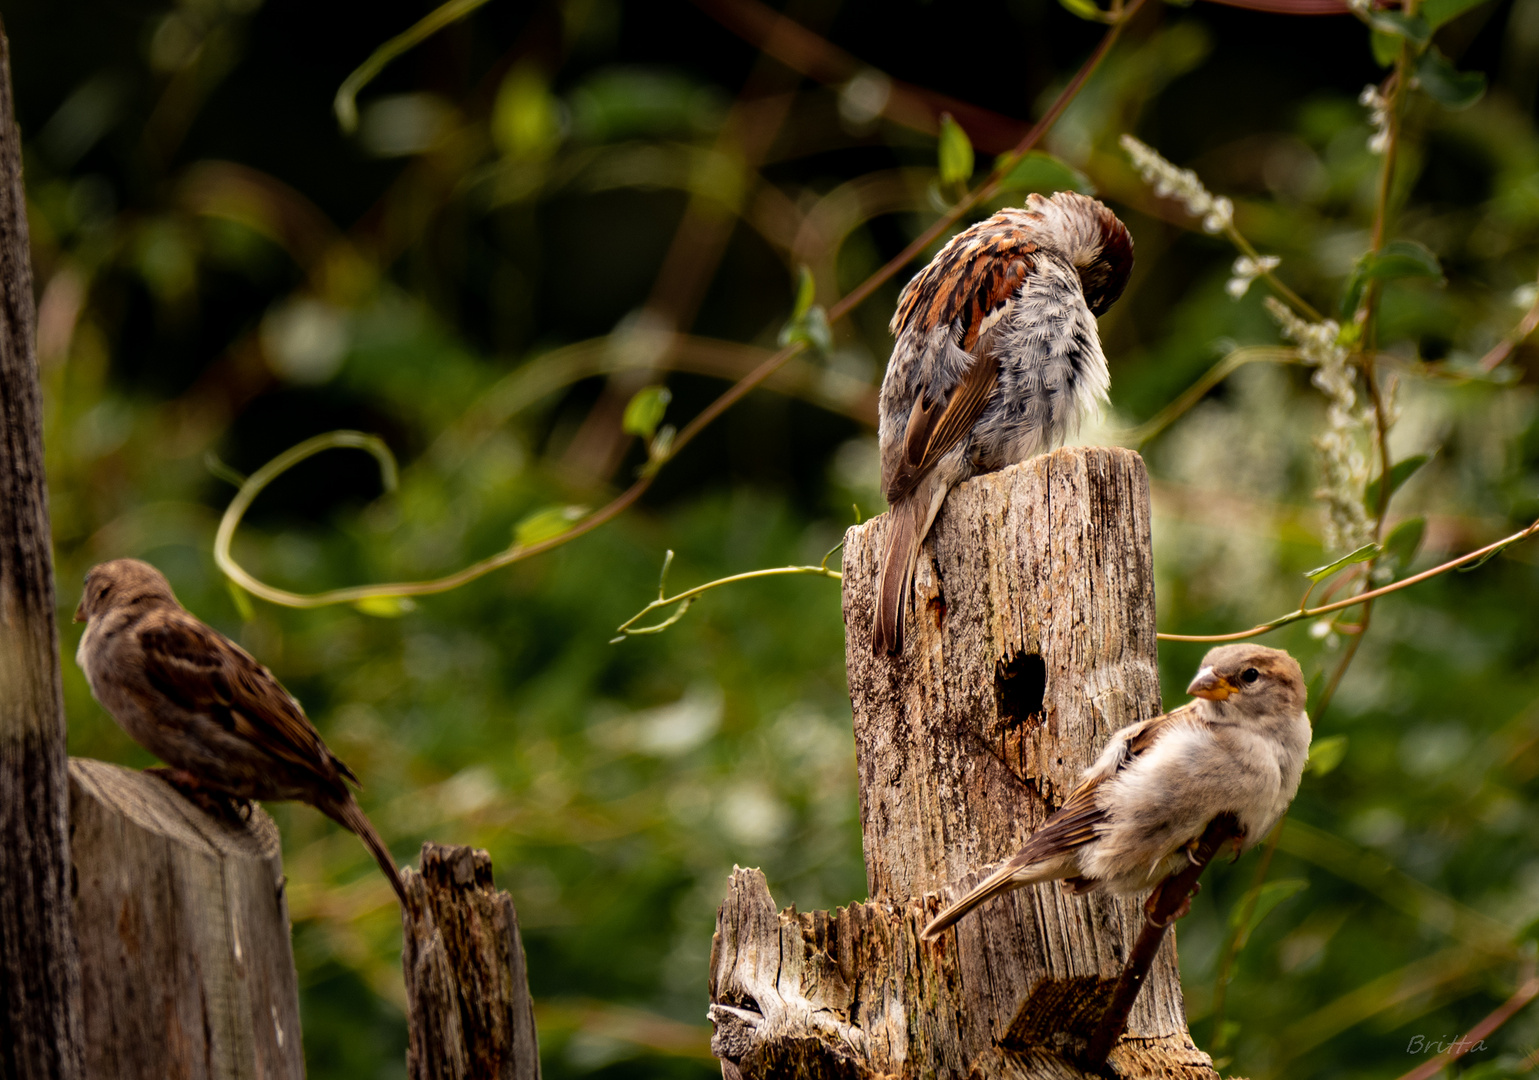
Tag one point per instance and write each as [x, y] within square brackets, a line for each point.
[185, 959]
[1030, 640]
[467, 984]
[40, 1028]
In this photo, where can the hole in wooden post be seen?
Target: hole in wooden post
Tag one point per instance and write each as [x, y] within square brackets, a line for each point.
[1019, 686]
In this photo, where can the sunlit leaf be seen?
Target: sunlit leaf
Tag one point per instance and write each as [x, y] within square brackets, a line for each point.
[645, 411]
[1325, 754]
[1404, 541]
[241, 599]
[525, 122]
[1397, 259]
[1446, 84]
[1268, 897]
[1085, 9]
[1399, 473]
[546, 524]
[1386, 47]
[385, 607]
[808, 322]
[1438, 12]
[806, 292]
[1411, 27]
[955, 151]
[1042, 172]
[1362, 554]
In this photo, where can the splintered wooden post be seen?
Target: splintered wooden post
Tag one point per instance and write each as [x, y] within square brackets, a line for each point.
[467, 984]
[1030, 640]
[184, 935]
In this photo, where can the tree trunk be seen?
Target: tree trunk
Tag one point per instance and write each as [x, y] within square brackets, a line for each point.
[39, 968]
[467, 986]
[184, 935]
[1029, 641]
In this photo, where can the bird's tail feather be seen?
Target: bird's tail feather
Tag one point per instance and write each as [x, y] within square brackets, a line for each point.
[351, 816]
[899, 554]
[1007, 877]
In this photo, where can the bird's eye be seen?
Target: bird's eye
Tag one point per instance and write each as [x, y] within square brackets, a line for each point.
[1249, 675]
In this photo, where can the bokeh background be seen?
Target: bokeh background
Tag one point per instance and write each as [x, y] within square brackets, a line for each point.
[535, 201]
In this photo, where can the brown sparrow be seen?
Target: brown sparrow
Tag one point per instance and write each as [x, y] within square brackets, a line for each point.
[1239, 748]
[997, 357]
[200, 703]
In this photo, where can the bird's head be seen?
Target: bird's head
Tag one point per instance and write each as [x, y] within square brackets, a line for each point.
[1095, 242]
[1251, 678]
[119, 583]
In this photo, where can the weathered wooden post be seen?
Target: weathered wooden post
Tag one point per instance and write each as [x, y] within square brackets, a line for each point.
[39, 969]
[184, 935]
[467, 985]
[1032, 640]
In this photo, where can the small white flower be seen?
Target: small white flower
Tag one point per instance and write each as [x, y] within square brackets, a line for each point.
[1524, 296]
[1247, 270]
[1348, 429]
[1378, 115]
[1169, 182]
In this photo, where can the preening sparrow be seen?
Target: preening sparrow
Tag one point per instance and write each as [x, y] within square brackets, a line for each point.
[1239, 748]
[200, 703]
[997, 357]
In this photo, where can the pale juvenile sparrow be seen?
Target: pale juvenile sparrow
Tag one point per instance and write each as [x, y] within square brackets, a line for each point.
[200, 703]
[1239, 748]
[997, 358]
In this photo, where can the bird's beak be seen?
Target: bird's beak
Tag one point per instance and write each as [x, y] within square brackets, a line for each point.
[1210, 686]
[80, 615]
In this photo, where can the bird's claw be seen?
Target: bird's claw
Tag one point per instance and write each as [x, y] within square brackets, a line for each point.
[211, 800]
[1152, 904]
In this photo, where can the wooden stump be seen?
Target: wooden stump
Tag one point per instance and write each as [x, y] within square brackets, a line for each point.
[184, 935]
[1030, 640]
[467, 985]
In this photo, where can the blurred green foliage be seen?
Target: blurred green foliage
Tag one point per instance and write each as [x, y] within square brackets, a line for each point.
[488, 273]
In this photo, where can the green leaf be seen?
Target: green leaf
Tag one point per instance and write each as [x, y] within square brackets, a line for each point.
[1270, 895]
[1362, 554]
[1325, 754]
[1487, 557]
[1446, 84]
[525, 121]
[1399, 473]
[806, 292]
[1396, 259]
[1438, 12]
[1042, 172]
[955, 151]
[546, 524]
[1085, 9]
[812, 329]
[385, 607]
[1386, 47]
[1411, 27]
[242, 600]
[1404, 541]
[645, 410]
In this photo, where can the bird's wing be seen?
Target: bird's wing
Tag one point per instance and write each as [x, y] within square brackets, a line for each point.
[935, 427]
[203, 671]
[1075, 823]
[971, 279]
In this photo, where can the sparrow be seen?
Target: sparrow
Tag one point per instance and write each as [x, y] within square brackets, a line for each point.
[996, 359]
[228, 730]
[1239, 747]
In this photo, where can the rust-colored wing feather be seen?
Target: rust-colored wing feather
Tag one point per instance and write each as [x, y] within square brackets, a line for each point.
[204, 671]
